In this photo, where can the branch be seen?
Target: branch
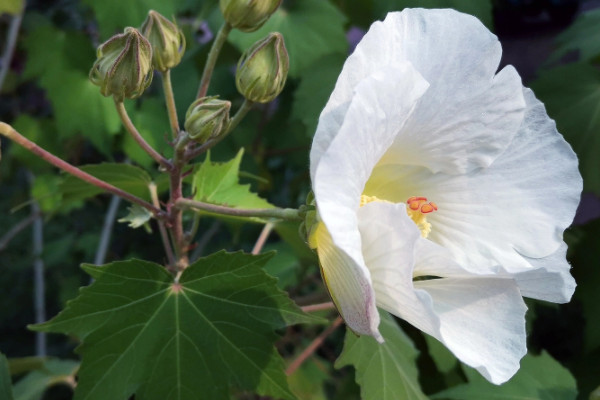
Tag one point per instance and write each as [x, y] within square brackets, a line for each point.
[15, 230]
[313, 346]
[318, 307]
[262, 238]
[9, 48]
[161, 227]
[288, 214]
[170, 99]
[138, 137]
[109, 221]
[211, 61]
[15, 136]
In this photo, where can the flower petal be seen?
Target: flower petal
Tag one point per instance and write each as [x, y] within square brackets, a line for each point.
[480, 319]
[497, 218]
[339, 178]
[461, 78]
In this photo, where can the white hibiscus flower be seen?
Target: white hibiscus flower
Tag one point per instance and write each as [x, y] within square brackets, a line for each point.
[443, 189]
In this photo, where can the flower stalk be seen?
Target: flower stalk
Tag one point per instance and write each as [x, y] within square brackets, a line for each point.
[211, 61]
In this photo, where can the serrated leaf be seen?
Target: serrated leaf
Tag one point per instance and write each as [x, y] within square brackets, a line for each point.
[34, 384]
[311, 29]
[114, 15]
[218, 183]
[316, 84]
[143, 333]
[137, 216]
[571, 94]
[482, 9]
[5, 381]
[583, 36]
[124, 176]
[539, 378]
[383, 371]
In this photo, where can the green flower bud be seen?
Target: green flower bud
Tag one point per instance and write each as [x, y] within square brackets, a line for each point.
[207, 118]
[124, 65]
[263, 69]
[167, 40]
[248, 15]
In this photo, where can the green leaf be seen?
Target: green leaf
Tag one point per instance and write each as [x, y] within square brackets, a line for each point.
[11, 6]
[137, 216]
[307, 381]
[311, 29]
[572, 97]
[143, 333]
[482, 9]
[53, 372]
[127, 177]
[5, 382]
[444, 359]
[61, 61]
[114, 15]
[383, 371]
[284, 266]
[218, 183]
[539, 378]
[316, 84]
[583, 36]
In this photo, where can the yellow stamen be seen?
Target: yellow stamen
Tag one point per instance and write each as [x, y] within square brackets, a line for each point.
[417, 209]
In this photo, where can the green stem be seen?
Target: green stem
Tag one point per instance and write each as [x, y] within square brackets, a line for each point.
[170, 99]
[288, 214]
[176, 214]
[138, 137]
[161, 227]
[211, 61]
[233, 123]
[15, 136]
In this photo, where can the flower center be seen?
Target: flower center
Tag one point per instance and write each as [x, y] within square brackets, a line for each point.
[417, 209]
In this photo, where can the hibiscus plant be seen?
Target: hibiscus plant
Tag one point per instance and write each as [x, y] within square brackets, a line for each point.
[439, 194]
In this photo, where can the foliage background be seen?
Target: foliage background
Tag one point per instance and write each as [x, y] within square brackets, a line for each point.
[48, 97]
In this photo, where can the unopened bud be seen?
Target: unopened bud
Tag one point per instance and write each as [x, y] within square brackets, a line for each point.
[263, 69]
[124, 65]
[248, 15]
[207, 118]
[167, 40]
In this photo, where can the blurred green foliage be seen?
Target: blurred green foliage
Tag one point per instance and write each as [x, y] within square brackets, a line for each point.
[48, 97]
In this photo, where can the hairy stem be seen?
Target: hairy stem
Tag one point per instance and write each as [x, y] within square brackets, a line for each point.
[161, 227]
[237, 118]
[15, 136]
[170, 99]
[138, 137]
[315, 344]
[211, 61]
[288, 214]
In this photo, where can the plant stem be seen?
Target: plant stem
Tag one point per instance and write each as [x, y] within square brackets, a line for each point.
[176, 214]
[313, 346]
[15, 230]
[211, 61]
[170, 99]
[15, 136]
[262, 238]
[318, 307]
[138, 137]
[161, 227]
[109, 221]
[39, 284]
[9, 48]
[237, 118]
[288, 214]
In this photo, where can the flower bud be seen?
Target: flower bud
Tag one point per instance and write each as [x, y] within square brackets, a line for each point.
[263, 69]
[248, 15]
[167, 40]
[124, 65]
[207, 118]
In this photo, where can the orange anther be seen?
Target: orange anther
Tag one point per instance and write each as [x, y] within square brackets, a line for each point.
[433, 205]
[414, 206]
[417, 203]
[426, 208]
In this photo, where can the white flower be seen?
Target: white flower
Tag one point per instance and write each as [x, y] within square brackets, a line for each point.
[419, 110]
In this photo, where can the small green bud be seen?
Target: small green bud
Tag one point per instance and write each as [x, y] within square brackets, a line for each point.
[167, 40]
[263, 69]
[207, 118]
[124, 65]
[248, 15]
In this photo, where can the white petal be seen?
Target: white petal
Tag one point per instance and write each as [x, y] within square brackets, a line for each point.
[496, 218]
[461, 77]
[481, 320]
[349, 286]
[550, 280]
